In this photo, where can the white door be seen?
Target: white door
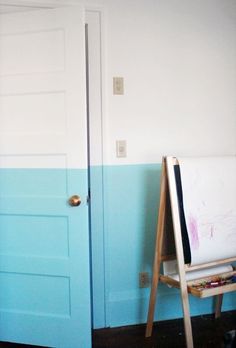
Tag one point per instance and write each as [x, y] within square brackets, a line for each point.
[44, 242]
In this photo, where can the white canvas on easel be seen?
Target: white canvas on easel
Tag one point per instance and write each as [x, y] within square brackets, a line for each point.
[209, 197]
[169, 196]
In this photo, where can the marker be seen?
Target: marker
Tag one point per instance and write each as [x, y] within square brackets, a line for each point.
[233, 279]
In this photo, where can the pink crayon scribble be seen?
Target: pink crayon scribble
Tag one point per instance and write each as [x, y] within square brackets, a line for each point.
[193, 232]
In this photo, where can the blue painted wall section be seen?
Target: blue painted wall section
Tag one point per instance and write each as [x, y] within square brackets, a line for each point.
[131, 196]
[125, 209]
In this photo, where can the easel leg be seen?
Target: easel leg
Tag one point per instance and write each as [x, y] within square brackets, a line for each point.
[158, 250]
[152, 301]
[187, 319]
[179, 252]
[218, 305]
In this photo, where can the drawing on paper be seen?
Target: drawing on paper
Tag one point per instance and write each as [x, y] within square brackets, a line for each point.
[209, 196]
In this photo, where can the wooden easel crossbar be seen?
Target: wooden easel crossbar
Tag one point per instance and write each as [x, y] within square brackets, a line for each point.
[168, 196]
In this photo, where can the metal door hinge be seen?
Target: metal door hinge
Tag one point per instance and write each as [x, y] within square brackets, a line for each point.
[88, 197]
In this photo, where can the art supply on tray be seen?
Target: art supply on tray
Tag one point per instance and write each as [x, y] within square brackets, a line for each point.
[214, 282]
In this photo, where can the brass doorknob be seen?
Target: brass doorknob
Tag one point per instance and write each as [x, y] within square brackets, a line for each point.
[74, 201]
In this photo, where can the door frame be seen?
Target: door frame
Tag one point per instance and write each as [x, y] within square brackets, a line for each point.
[96, 180]
[97, 236]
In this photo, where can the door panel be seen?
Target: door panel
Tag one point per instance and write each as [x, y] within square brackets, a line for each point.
[44, 243]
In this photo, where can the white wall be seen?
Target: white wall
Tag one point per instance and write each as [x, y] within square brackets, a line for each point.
[177, 58]
[178, 63]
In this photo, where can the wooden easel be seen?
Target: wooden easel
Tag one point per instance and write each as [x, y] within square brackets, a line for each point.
[168, 196]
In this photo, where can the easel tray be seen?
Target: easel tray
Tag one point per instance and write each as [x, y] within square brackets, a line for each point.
[208, 286]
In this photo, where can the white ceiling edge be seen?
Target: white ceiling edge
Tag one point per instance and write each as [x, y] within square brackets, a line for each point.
[13, 6]
[38, 3]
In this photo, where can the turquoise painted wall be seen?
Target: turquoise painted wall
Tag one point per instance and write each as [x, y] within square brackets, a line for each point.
[131, 194]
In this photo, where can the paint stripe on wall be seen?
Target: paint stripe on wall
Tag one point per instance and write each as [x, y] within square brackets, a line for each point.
[131, 195]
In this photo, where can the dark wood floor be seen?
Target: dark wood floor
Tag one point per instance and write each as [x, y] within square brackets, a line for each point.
[207, 332]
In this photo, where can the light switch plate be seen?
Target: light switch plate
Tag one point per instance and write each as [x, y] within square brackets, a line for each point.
[118, 85]
[121, 148]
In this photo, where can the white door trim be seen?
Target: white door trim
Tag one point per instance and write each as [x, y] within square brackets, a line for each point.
[93, 18]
